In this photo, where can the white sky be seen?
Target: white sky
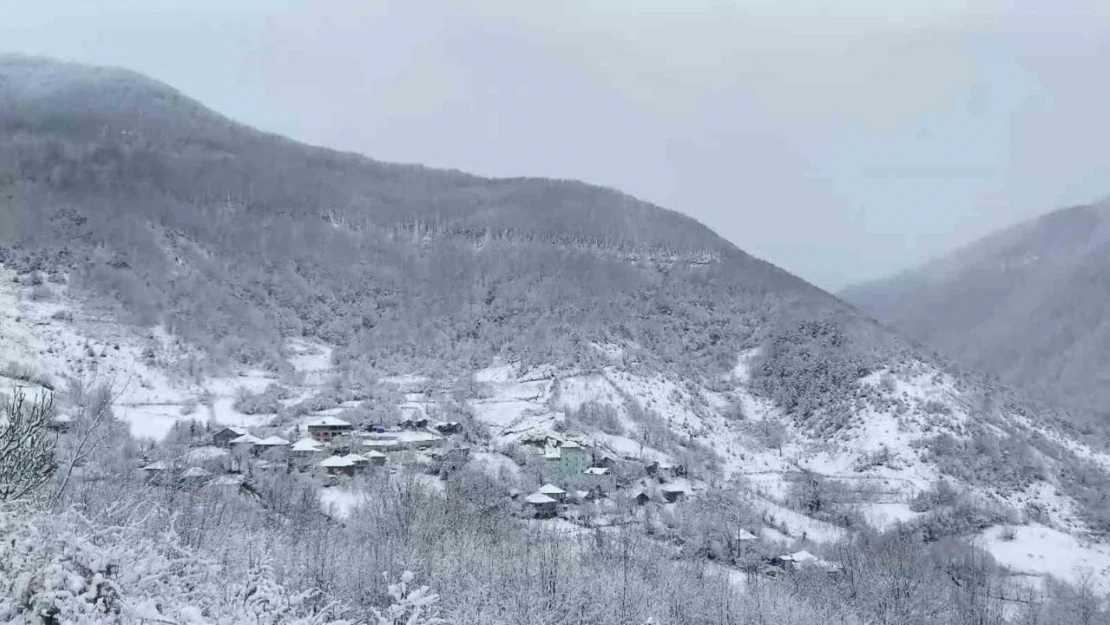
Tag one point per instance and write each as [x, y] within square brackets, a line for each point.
[840, 140]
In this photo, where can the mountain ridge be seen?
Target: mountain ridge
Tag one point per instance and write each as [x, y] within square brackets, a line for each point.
[1023, 304]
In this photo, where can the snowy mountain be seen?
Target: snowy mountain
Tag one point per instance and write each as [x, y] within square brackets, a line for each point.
[740, 425]
[1026, 304]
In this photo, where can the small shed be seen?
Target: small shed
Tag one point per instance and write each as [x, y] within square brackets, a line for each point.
[156, 467]
[553, 491]
[641, 498]
[543, 507]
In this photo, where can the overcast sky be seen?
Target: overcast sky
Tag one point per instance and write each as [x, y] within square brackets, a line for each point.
[842, 140]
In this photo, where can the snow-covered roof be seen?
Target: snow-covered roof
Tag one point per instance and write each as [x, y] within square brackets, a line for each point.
[551, 489]
[572, 445]
[744, 535]
[553, 454]
[416, 437]
[355, 458]
[156, 466]
[200, 454]
[805, 557]
[539, 499]
[196, 472]
[306, 444]
[238, 430]
[373, 454]
[273, 441]
[326, 421]
[336, 462]
[380, 443]
[673, 488]
[246, 439]
[597, 471]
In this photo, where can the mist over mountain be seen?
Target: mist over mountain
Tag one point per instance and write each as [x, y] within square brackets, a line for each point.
[197, 295]
[1028, 304]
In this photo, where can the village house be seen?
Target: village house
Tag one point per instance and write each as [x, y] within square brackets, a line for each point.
[360, 462]
[306, 447]
[245, 441]
[338, 465]
[420, 440]
[381, 444]
[414, 423]
[641, 498]
[542, 506]
[223, 436]
[553, 491]
[803, 559]
[272, 442]
[195, 476]
[376, 458]
[573, 459]
[448, 427]
[325, 429]
[673, 492]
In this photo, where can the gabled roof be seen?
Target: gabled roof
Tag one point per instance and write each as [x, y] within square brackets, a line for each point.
[337, 462]
[539, 499]
[743, 535]
[381, 443]
[551, 489]
[306, 444]
[237, 430]
[597, 471]
[416, 437]
[373, 454]
[246, 439]
[273, 441]
[355, 458]
[326, 421]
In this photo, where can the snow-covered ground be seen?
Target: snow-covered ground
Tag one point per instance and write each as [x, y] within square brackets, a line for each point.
[1039, 550]
[56, 337]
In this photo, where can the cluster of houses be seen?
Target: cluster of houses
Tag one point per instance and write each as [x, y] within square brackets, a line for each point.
[333, 446]
[593, 473]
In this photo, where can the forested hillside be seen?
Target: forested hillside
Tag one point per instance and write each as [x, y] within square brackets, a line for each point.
[232, 238]
[1028, 304]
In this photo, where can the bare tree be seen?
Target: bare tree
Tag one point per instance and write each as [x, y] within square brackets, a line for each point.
[92, 425]
[27, 441]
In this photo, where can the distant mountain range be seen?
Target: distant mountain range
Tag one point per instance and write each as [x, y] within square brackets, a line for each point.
[1030, 304]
